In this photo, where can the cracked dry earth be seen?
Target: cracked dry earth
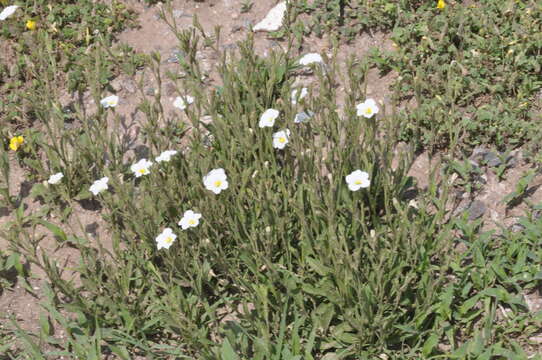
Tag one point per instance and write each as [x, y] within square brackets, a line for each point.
[154, 35]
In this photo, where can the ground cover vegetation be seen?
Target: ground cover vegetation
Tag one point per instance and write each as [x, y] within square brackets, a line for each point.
[473, 67]
[261, 233]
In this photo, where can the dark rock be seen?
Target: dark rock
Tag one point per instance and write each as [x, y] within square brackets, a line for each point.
[512, 160]
[478, 153]
[517, 227]
[476, 209]
[142, 152]
[92, 229]
[492, 159]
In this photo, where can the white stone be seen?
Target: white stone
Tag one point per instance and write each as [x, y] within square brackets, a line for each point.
[273, 19]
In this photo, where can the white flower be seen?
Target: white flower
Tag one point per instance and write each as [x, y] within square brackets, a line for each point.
[216, 181]
[8, 11]
[280, 139]
[310, 59]
[110, 101]
[55, 178]
[357, 180]
[166, 155]
[295, 98]
[99, 185]
[368, 108]
[182, 102]
[267, 119]
[190, 219]
[303, 116]
[141, 167]
[165, 239]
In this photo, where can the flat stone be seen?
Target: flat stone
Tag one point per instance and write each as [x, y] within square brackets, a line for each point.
[478, 153]
[273, 19]
[492, 159]
[476, 209]
[303, 116]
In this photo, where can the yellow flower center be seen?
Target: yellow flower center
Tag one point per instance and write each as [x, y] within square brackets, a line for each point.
[441, 4]
[168, 240]
[191, 222]
[218, 183]
[368, 111]
[357, 182]
[142, 171]
[282, 140]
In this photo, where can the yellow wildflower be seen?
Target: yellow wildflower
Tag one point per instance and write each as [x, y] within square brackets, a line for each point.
[441, 4]
[31, 25]
[16, 142]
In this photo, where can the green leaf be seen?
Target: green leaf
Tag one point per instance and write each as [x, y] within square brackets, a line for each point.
[430, 344]
[120, 351]
[227, 352]
[59, 234]
[317, 266]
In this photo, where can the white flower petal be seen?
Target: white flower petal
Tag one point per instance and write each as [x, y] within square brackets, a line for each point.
[165, 239]
[99, 185]
[216, 181]
[183, 102]
[357, 179]
[189, 219]
[55, 178]
[141, 167]
[166, 155]
[281, 138]
[368, 108]
[267, 119]
[110, 101]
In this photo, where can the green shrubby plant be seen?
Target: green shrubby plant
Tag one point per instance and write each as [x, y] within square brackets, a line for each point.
[285, 236]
